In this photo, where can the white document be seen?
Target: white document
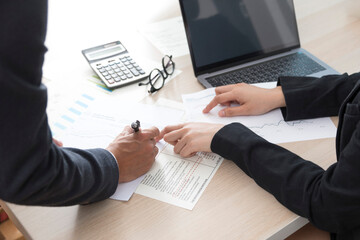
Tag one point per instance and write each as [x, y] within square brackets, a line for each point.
[124, 191]
[179, 181]
[270, 126]
[168, 36]
[93, 123]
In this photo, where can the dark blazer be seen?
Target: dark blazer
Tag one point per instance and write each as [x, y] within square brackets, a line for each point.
[33, 170]
[329, 198]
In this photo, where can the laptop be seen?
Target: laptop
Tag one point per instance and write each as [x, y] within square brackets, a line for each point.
[251, 41]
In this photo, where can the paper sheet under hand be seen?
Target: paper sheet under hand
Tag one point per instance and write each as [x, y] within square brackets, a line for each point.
[179, 181]
[270, 126]
[124, 191]
[93, 123]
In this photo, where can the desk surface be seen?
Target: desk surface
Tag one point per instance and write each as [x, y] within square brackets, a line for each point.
[232, 206]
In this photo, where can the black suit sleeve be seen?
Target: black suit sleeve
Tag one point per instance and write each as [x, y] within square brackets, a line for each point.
[33, 170]
[328, 198]
[310, 97]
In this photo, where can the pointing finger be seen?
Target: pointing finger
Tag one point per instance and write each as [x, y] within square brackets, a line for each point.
[219, 99]
[168, 129]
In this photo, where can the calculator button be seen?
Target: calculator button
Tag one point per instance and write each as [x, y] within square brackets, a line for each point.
[114, 66]
[123, 59]
[130, 66]
[114, 75]
[133, 62]
[138, 68]
[120, 74]
[135, 65]
[141, 72]
[105, 73]
[105, 66]
[135, 72]
[126, 63]
[107, 77]
[126, 71]
[123, 69]
[102, 70]
[110, 81]
[111, 72]
[117, 70]
[108, 68]
[123, 77]
[128, 57]
[117, 79]
[99, 67]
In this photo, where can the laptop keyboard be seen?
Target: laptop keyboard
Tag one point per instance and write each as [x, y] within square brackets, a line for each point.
[297, 64]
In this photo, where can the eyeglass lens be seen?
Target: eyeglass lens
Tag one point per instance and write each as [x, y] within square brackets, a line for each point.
[157, 80]
[168, 64]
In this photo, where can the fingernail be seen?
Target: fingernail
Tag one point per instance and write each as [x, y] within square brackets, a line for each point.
[222, 113]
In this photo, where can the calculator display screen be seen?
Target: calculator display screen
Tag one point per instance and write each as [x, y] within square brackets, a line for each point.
[105, 52]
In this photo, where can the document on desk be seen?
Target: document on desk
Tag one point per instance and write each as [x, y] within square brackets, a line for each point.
[91, 121]
[168, 36]
[270, 126]
[179, 181]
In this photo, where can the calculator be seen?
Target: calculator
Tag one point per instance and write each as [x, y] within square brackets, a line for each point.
[114, 65]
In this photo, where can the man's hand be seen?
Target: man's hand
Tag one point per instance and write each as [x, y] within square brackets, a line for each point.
[134, 152]
[57, 142]
[190, 138]
[253, 100]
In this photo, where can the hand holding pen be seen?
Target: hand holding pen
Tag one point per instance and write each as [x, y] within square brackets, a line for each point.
[134, 150]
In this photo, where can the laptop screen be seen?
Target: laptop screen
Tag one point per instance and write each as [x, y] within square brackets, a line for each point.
[224, 32]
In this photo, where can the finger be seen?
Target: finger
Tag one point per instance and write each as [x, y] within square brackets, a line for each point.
[173, 143]
[126, 131]
[169, 129]
[147, 134]
[224, 89]
[187, 151]
[193, 154]
[234, 111]
[219, 99]
[179, 146]
[156, 151]
[174, 136]
[226, 104]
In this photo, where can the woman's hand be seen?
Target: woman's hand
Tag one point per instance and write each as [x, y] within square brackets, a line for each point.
[253, 100]
[190, 138]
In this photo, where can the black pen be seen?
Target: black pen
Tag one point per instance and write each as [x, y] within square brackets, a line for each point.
[135, 125]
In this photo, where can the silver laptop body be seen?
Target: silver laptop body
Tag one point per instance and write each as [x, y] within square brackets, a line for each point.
[248, 41]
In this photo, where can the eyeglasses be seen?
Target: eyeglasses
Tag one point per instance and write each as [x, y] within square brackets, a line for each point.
[157, 78]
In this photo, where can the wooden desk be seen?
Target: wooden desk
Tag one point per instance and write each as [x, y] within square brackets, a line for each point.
[232, 206]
